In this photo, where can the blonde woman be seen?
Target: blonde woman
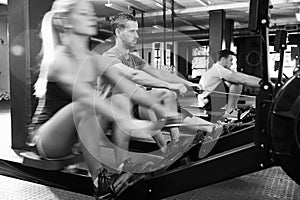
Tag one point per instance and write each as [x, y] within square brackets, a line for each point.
[67, 76]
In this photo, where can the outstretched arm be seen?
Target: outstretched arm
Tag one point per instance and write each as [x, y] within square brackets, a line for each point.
[165, 75]
[241, 78]
[142, 78]
[82, 92]
[139, 95]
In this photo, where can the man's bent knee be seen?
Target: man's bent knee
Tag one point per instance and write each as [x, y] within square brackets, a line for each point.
[236, 86]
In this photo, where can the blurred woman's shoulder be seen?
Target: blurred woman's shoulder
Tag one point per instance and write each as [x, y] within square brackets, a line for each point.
[60, 61]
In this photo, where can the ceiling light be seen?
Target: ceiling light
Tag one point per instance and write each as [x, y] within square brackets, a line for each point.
[108, 4]
[159, 5]
[202, 2]
[115, 7]
[97, 40]
[105, 30]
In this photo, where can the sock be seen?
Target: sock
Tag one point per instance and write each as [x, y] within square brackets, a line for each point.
[163, 149]
[120, 168]
[96, 182]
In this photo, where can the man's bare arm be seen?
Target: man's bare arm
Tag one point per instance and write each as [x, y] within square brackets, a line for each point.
[240, 78]
[165, 75]
[142, 78]
[80, 91]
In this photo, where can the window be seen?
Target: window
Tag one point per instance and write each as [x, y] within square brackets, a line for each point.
[288, 63]
[200, 60]
[159, 60]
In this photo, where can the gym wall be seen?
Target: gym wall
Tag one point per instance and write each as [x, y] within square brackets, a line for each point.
[248, 56]
[4, 67]
[249, 59]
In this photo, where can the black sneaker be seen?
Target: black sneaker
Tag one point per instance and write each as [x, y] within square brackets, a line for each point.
[177, 148]
[106, 180]
[232, 115]
[105, 189]
[199, 137]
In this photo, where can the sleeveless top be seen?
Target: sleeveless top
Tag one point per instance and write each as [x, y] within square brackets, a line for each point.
[54, 99]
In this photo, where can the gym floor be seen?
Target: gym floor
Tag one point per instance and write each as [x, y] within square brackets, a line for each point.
[269, 184]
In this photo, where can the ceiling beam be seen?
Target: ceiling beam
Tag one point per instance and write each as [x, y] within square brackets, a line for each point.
[139, 5]
[217, 7]
[214, 7]
[209, 8]
[189, 23]
[116, 7]
[175, 14]
[202, 2]
[176, 5]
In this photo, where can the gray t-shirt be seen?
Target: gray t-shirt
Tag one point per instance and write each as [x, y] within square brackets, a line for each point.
[129, 61]
[126, 58]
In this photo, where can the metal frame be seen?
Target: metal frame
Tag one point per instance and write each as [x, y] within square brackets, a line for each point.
[209, 170]
[241, 160]
[63, 180]
[250, 155]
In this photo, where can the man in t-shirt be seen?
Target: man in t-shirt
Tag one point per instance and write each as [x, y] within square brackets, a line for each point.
[125, 27]
[219, 72]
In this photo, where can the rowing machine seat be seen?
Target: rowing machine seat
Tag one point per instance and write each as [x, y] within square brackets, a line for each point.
[31, 159]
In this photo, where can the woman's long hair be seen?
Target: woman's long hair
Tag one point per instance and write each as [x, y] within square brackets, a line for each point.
[52, 29]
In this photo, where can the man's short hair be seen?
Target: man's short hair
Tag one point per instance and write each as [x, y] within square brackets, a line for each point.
[119, 21]
[225, 53]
